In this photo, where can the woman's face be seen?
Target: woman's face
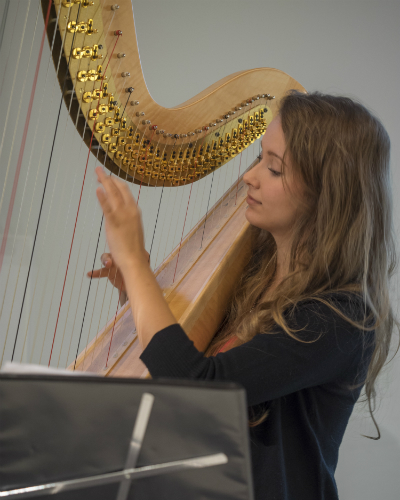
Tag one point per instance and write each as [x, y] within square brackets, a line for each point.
[270, 205]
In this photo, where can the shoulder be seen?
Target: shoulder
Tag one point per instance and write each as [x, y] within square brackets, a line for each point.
[334, 317]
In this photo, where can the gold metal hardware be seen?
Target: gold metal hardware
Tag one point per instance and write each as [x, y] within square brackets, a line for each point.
[87, 97]
[121, 141]
[106, 138]
[87, 52]
[95, 53]
[71, 3]
[115, 132]
[74, 27]
[93, 114]
[92, 75]
[100, 127]
[90, 30]
[77, 53]
[82, 76]
[119, 155]
[97, 94]
[103, 108]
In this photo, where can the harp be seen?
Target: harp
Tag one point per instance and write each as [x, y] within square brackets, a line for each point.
[174, 159]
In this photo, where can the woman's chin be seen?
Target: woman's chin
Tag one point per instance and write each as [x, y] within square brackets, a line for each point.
[250, 217]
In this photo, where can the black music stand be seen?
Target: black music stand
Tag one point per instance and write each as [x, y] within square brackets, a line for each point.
[84, 438]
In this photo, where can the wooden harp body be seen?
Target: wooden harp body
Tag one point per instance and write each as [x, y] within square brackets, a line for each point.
[95, 53]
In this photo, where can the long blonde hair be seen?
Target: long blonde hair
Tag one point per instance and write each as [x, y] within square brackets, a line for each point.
[343, 241]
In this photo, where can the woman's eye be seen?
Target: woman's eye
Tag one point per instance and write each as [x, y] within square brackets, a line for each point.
[274, 172]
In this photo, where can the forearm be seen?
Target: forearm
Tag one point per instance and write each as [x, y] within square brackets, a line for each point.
[149, 308]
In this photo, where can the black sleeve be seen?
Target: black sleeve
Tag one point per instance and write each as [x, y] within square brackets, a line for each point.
[270, 365]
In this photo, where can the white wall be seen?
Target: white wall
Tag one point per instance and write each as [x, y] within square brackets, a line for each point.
[347, 47]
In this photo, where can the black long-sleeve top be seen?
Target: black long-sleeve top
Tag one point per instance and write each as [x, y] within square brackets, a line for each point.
[305, 386]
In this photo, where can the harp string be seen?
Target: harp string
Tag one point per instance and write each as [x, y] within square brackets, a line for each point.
[73, 282]
[119, 298]
[2, 249]
[36, 232]
[79, 204]
[95, 255]
[23, 197]
[187, 207]
[57, 169]
[2, 30]
[94, 260]
[18, 169]
[98, 283]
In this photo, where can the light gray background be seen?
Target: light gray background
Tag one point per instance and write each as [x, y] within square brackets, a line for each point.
[341, 47]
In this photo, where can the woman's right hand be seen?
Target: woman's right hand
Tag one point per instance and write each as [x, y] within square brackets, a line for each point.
[110, 270]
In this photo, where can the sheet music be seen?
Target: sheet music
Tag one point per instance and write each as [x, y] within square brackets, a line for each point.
[24, 368]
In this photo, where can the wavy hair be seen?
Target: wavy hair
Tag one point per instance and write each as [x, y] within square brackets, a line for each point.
[343, 239]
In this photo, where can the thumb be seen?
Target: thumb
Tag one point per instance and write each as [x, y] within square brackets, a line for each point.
[106, 260]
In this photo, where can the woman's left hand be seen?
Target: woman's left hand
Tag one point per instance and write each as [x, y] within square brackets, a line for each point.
[123, 222]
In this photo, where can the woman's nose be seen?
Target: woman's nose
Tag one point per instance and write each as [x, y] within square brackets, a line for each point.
[250, 177]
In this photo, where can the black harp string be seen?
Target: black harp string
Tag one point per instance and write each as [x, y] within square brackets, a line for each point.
[45, 186]
[94, 258]
[131, 89]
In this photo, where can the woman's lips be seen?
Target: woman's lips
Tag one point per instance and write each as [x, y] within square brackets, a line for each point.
[252, 201]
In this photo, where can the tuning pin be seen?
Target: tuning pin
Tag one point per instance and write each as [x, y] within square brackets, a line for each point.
[146, 122]
[129, 90]
[134, 103]
[120, 55]
[125, 74]
[115, 7]
[139, 113]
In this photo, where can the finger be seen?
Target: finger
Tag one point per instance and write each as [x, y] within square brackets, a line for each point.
[111, 188]
[106, 260]
[126, 194]
[104, 202]
[98, 273]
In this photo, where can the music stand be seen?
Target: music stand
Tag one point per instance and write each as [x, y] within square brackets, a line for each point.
[84, 438]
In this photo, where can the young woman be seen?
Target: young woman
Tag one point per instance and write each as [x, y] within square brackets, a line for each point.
[311, 320]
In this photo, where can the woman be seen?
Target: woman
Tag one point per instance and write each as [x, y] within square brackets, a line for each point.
[311, 320]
